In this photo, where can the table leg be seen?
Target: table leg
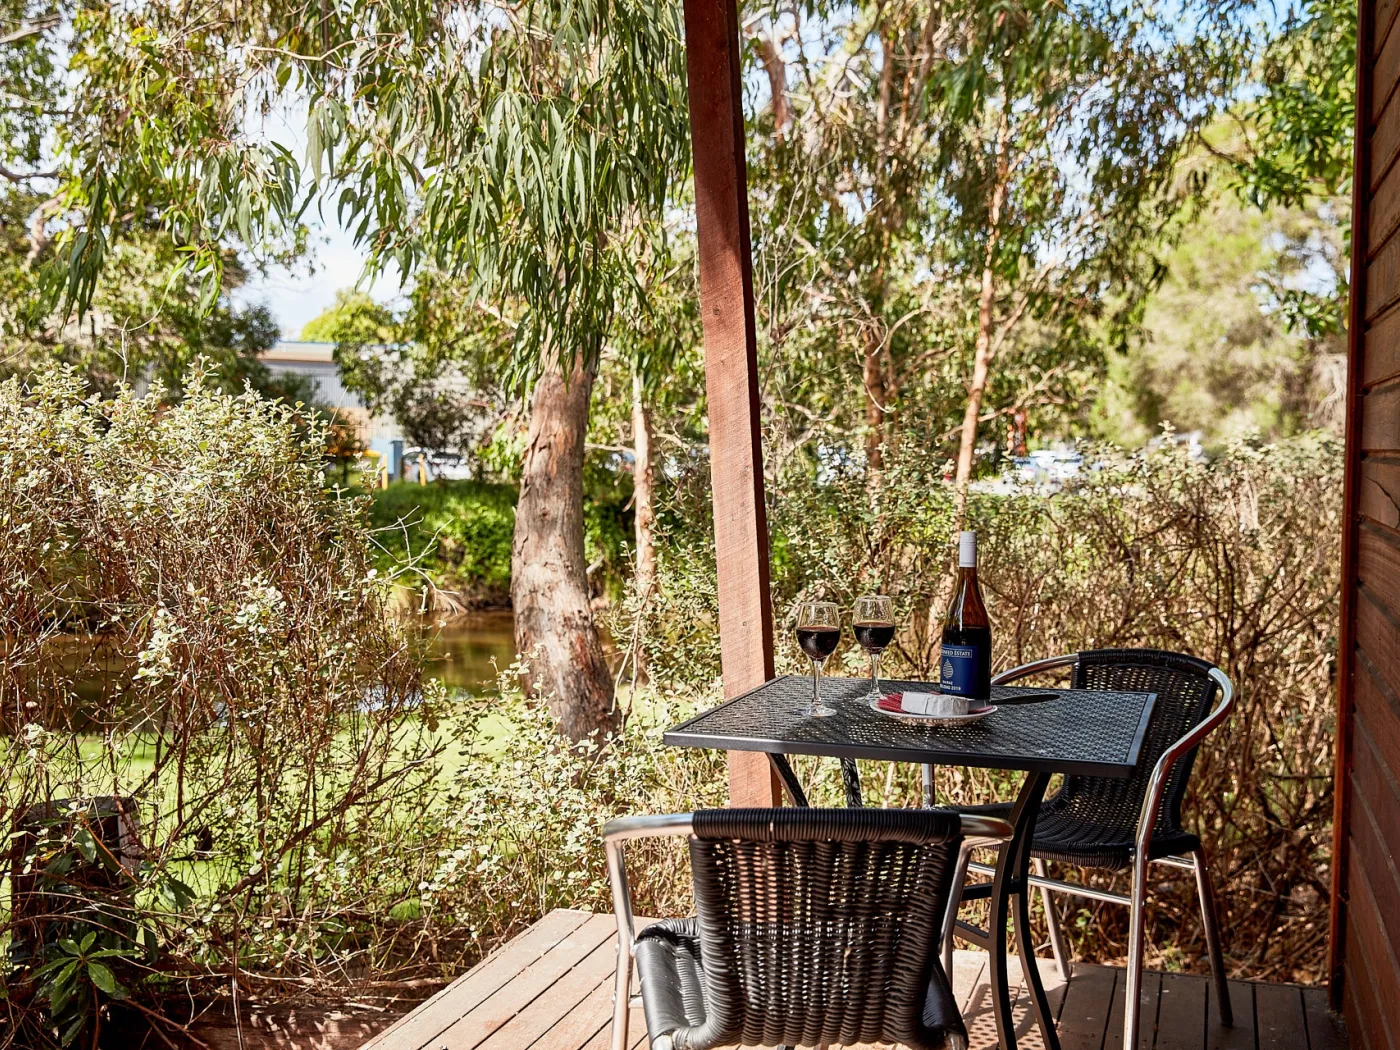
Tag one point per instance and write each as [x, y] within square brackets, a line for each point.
[791, 784]
[1012, 880]
[850, 778]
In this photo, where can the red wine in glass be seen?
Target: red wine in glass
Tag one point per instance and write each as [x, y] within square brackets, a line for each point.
[818, 642]
[874, 637]
[873, 619]
[818, 633]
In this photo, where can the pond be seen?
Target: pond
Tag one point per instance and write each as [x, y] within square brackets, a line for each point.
[465, 648]
[461, 655]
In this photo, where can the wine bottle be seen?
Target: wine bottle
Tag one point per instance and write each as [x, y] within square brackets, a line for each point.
[965, 662]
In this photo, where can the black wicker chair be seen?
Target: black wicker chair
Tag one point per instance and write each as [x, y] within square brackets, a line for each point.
[812, 926]
[1101, 822]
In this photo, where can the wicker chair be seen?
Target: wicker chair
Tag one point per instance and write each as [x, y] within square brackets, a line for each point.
[812, 926]
[1101, 822]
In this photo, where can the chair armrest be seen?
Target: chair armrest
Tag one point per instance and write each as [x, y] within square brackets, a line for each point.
[623, 829]
[1147, 817]
[1050, 663]
[984, 831]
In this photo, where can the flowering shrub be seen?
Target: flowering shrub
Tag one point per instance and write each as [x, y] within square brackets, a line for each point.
[220, 763]
[221, 766]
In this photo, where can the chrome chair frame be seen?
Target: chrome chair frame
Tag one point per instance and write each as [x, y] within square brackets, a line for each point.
[977, 831]
[1136, 899]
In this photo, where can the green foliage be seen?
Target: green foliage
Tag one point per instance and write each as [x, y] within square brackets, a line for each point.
[457, 141]
[437, 369]
[146, 322]
[353, 318]
[443, 135]
[31, 79]
[190, 164]
[519, 824]
[1300, 129]
[1216, 353]
[193, 621]
[1019, 157]
[458, 532]
[1293, 143]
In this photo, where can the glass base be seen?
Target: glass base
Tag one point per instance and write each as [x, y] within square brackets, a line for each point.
[822, 711]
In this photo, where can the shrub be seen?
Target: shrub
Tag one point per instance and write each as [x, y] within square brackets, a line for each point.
[192, 624]
[457, 536]
[457, 532]
[518, 830]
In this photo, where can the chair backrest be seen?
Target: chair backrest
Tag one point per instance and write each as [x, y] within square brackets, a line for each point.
[822, 926]
[1185, 692]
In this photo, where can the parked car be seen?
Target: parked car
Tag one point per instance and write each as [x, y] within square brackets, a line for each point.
[449, 466]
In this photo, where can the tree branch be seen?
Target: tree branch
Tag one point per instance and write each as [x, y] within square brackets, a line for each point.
[25, 176]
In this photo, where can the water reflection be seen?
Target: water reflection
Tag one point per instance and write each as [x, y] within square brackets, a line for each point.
[465, 647]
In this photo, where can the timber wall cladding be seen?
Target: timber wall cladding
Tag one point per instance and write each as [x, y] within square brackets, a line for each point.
[1369, 799]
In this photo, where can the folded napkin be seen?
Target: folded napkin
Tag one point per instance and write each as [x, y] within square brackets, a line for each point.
[934, 704]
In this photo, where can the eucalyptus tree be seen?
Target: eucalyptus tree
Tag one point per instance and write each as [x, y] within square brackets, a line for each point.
[1291, 144]
[526, 150]
[967, 193]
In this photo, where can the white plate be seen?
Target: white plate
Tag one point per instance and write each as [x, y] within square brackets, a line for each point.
[932, 720]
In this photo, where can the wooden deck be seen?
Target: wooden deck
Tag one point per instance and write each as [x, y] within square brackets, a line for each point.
[551, 989]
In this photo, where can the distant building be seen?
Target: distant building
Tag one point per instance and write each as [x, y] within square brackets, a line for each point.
[317, 361]
[379, 433]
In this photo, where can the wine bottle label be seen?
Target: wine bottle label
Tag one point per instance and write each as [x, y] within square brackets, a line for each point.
[958, 670]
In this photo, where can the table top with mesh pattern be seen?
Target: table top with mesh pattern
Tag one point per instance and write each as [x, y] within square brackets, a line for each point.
[1089, 732]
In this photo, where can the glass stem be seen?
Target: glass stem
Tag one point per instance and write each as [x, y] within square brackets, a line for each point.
[816, 686]
[875, 672]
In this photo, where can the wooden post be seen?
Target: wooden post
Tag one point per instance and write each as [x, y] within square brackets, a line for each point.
[713, 59]
[1346, 635]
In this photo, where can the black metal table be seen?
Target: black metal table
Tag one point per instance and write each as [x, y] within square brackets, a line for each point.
[1077, 731]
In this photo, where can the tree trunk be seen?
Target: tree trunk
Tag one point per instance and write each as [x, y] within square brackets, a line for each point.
[873, 375]
[554, 628]
[982, 356]
[981, 369]
[643, 489]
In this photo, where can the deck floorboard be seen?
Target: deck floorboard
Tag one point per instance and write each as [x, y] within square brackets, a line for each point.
[551, 989]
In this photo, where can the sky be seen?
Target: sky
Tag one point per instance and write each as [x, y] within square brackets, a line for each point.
[296, 296]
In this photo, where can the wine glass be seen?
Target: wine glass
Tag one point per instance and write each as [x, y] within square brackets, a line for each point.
[818, 632]
[874, 629]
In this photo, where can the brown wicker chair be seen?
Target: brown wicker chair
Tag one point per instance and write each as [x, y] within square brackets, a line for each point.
[812, 926]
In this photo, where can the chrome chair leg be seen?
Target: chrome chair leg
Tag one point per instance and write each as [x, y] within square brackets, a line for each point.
[1132, 1001]
[1052, 920]
[622, 909]
[950, 916]
[1212, 929]
[622, 993]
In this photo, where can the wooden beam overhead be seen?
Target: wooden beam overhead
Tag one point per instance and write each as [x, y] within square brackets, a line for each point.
[714, 70]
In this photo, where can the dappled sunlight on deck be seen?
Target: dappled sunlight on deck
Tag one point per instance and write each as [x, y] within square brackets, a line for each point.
[551, 989]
